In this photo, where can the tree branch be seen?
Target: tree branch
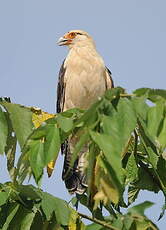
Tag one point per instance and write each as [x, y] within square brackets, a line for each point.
[109, 226]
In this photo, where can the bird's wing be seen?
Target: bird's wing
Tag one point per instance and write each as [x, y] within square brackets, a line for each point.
[61, 89]
[109, 81]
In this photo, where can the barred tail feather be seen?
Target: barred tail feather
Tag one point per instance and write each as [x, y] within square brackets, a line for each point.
[75, 177]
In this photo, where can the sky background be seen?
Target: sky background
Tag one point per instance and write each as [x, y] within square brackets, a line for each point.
[130, 35]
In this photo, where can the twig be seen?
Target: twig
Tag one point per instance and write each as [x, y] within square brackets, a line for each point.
[97, 221]
[126, 95]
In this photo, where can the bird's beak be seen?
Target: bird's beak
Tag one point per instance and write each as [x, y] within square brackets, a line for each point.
[63, 41]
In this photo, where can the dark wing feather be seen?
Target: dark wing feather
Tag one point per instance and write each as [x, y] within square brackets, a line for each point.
[110, 78]
[61, 99]
[61, 89]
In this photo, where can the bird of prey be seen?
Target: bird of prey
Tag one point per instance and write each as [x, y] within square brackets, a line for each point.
[83, 78]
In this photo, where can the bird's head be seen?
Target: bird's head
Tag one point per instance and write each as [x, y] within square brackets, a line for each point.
[75, 38]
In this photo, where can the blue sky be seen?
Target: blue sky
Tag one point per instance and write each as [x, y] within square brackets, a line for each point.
[130, 35]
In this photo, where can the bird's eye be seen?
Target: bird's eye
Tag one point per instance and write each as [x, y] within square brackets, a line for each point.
[72, 35]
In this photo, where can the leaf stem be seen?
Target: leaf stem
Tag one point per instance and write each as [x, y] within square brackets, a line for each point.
[126, 95]
[103, 223]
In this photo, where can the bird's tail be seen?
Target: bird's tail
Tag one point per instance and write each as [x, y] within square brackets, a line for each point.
[75, 176]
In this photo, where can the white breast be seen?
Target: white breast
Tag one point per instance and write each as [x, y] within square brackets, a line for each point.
[84, 78]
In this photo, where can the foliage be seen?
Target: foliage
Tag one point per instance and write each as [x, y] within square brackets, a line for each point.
[126, 138]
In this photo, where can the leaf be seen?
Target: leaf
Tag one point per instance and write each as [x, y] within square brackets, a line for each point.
[140, 208]
[11, 213]
[36, 157]
[113, 93]
[10, 149]
[140, 107]
[23, 167]
[39, 116]
[146, 180]
[104, 142]
[94, 227]
[161, 167]
[3, 197]
[52, 143]
[155, 114]
[153, 94]
[50, 168]
[27, 220]
[91, 158]
[52, 204]
[3, 131]
[29, 191]
[22, 219]
[66, 124]
[162, 134]
[148, 143]
[131, 169]
[21, 118]
[132, 194]
[119, 125]
[51, 147]
[90, 116]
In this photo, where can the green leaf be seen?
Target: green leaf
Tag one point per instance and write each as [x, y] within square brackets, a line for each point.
[37, 221]
[36, 157]
[90, 116]
[66, 124]
[93, 152]
[105, 143]
[140, 208]
[154, 117]
[23, 167]
[131, 169]
[21, 118]
[132, 193]
[3, 131]
[3, 197]
[22, 219]
[161, 167]
[52, 204]
[162, 135]
[27, 220]
[94, 227]
[113, 93]
[145, 180]
[52, 143]
[140, 107]
[153, 94]
[148, 143]
[10, 149]
[141, 91]
[11, 214]
[29, 191]
[119, 125]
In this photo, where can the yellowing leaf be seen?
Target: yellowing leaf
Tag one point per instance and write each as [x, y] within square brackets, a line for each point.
[50, 168]
[39, 116]
[75, 221]
[110, 191]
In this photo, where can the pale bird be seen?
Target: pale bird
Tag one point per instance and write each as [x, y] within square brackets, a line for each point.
[83, 78]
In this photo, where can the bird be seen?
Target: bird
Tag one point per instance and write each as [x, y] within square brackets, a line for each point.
[83, 78]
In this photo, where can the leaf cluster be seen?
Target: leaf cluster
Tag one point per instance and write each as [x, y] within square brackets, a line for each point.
[126, 139]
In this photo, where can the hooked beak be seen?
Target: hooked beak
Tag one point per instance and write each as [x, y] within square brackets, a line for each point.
[63, 41]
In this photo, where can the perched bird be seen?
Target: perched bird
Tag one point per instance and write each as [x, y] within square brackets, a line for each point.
[83, 78]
